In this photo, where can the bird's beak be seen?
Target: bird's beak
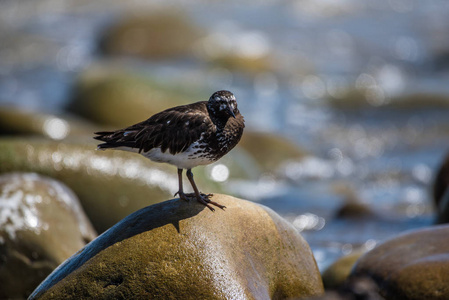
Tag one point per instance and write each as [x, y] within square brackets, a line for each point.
[230, 111]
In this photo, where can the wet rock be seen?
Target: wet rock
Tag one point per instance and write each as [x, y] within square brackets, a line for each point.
[20, 121]
[157, 35]
[441, 192]
[41, 225]
[109, 184]
[180, 250]
[414, 265]
[270, 150]
[120, 99]
[336, 274]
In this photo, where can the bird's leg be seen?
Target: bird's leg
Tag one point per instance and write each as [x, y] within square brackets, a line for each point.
[180, 192]
[202, 198]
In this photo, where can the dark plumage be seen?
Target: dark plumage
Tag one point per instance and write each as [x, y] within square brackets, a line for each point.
[185, 136]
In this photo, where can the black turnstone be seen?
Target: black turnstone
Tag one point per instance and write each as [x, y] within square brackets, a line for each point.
[185, 136]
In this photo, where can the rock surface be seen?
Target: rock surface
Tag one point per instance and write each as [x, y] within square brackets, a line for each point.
[119, 98]
[41, 225]
[180, 250]
[270, 150]
[27, 122]
[162, 34]
[412, 266]
[109, 184]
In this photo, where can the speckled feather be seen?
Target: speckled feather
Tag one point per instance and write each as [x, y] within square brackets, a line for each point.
[193, 128]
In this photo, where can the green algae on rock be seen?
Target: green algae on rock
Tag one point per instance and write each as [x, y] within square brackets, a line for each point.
[41, 225]
[121, 98]
[179, 250]
[414, 265]
[109, 184]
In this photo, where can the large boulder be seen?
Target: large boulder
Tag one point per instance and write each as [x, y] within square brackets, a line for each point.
[180, 250]
[109, 184]
[270, 150]
[28, 122]
[412, 266]
[162, 34]
[120, 98]
[41, 225]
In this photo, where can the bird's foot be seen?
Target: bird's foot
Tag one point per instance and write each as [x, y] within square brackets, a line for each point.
[204, 199]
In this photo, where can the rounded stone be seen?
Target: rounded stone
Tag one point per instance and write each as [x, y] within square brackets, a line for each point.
[414, 265]
[270, 150]
[180, 250]
[41, 225]
[110, 184]
[158, 35]
[27, 122]
[119, 98]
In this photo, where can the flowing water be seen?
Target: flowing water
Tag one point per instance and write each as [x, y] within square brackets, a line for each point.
[381, 150]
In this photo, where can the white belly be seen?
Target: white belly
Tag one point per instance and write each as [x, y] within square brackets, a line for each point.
[184, 160]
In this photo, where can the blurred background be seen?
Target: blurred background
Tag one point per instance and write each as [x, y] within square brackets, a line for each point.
[346, 102]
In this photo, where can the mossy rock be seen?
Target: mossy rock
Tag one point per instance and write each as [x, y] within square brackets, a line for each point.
[109, 184]
[41, 225]
[179, 250]
[414, 265]
[270, 150]
[120, 99]
[20, 121]
[152, 35]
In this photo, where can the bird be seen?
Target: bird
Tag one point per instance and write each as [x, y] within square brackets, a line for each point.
[185, 136]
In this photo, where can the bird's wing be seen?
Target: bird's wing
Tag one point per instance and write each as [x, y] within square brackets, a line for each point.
[173, 130]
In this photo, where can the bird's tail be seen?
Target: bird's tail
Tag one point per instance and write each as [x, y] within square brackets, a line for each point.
[113, 139]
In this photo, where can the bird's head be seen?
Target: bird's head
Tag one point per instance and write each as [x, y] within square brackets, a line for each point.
[223, 103]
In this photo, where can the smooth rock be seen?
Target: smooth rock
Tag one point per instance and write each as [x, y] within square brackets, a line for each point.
[414, 265]
[41, 225]
[180, 250]
[109, 184]
[270, 150]
[27, 122]
[121, 98]
[165, 34]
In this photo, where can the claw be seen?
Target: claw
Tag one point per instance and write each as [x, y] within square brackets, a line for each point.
[182, 196]
[204, 199]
